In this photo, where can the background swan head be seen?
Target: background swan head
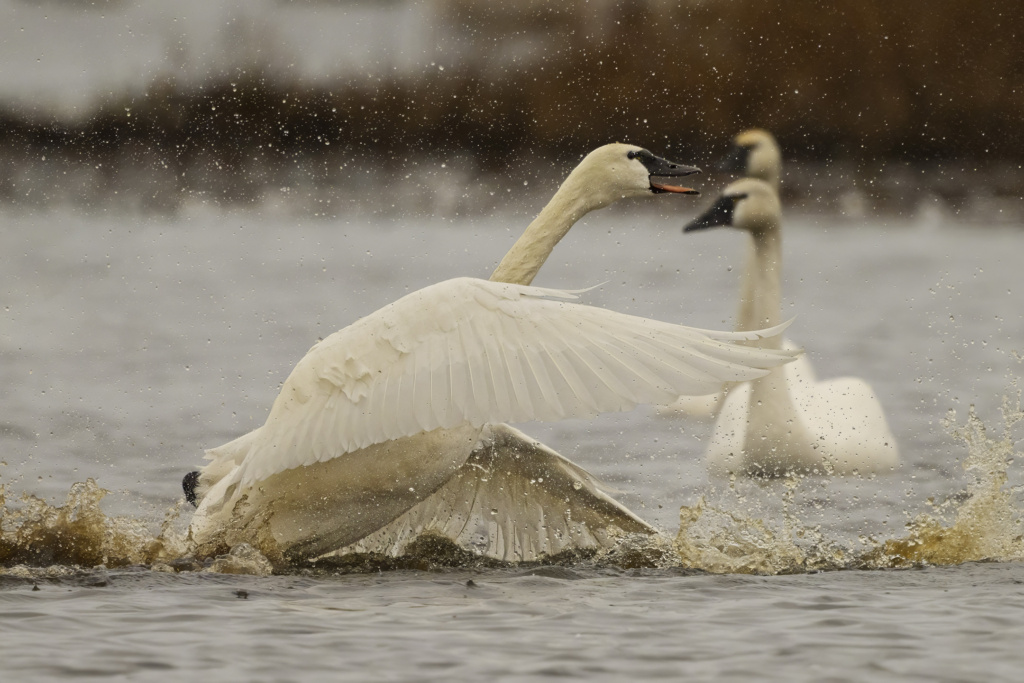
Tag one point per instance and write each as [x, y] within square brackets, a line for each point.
[754, 154]
[748, 204]
[618, 170]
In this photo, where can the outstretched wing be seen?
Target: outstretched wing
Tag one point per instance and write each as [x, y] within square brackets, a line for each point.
[477, 352]
[515, 500]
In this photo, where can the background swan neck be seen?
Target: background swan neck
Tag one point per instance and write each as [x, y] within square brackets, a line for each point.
[761, 292]
[523, 261]
[775, 434]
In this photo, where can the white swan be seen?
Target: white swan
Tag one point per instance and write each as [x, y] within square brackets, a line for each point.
[393, 424]
[787, 421]
[754, 154]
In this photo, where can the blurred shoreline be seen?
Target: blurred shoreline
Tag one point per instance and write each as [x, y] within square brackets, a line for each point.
[138, 178]
[447, 107]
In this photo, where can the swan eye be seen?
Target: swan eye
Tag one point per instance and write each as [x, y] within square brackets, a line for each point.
[631, 154]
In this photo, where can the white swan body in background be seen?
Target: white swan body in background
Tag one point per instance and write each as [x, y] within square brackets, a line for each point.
[393, 424]
[787, 421]
[754, 154]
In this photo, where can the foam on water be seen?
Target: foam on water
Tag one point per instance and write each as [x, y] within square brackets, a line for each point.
[982, 523]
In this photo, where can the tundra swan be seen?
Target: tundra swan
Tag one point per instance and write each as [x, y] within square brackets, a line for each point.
[394, 423]
[786, 420]
[754, 154]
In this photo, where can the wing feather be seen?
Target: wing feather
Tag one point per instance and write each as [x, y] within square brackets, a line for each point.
[405, 405]
[422, 393]
[499, 379]
[480, 399]
[478, 352]
[544, 392]
[492, 506]
[576, 392]
[387, 415]
[522, 401]
[439, 390]
[609, 387]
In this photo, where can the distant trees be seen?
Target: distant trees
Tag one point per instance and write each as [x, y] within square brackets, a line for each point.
[878, 79]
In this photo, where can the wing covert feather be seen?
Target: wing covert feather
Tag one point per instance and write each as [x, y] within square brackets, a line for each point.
[478, 352]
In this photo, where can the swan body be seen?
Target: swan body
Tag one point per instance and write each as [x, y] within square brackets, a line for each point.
[787, 420]
[379, 415]
[840, 429]
[392, 426]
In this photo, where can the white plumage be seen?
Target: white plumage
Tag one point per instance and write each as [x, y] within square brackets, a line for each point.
[835, 426]
[547, 505]
[787, 420]
[468, 351]
[392, 426]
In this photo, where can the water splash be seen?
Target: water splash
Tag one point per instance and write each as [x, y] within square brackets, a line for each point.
[79, 534]
[986, 525]
[721, 541]
[982, 523]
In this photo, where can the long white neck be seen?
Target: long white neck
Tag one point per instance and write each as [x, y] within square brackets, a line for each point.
[761, 291]
[766, 166]
[772, 410]
[771, 173]
[776, 437]
[531, 250]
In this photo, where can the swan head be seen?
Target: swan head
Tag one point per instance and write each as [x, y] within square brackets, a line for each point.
[617, 171]
[754, 154]
[747, 204]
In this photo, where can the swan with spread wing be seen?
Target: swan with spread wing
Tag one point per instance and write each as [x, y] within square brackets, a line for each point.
[394, 426]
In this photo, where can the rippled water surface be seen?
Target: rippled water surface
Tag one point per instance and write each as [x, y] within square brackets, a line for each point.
[127, 345]
[940, 624]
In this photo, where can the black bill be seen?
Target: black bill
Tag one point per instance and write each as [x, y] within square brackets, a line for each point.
[663, 168]
[720, 213]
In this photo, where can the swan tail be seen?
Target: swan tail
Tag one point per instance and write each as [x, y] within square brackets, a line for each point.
[189, 484]
[223, 460]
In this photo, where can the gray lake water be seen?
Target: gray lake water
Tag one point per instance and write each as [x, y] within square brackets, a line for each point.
[129, 344]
